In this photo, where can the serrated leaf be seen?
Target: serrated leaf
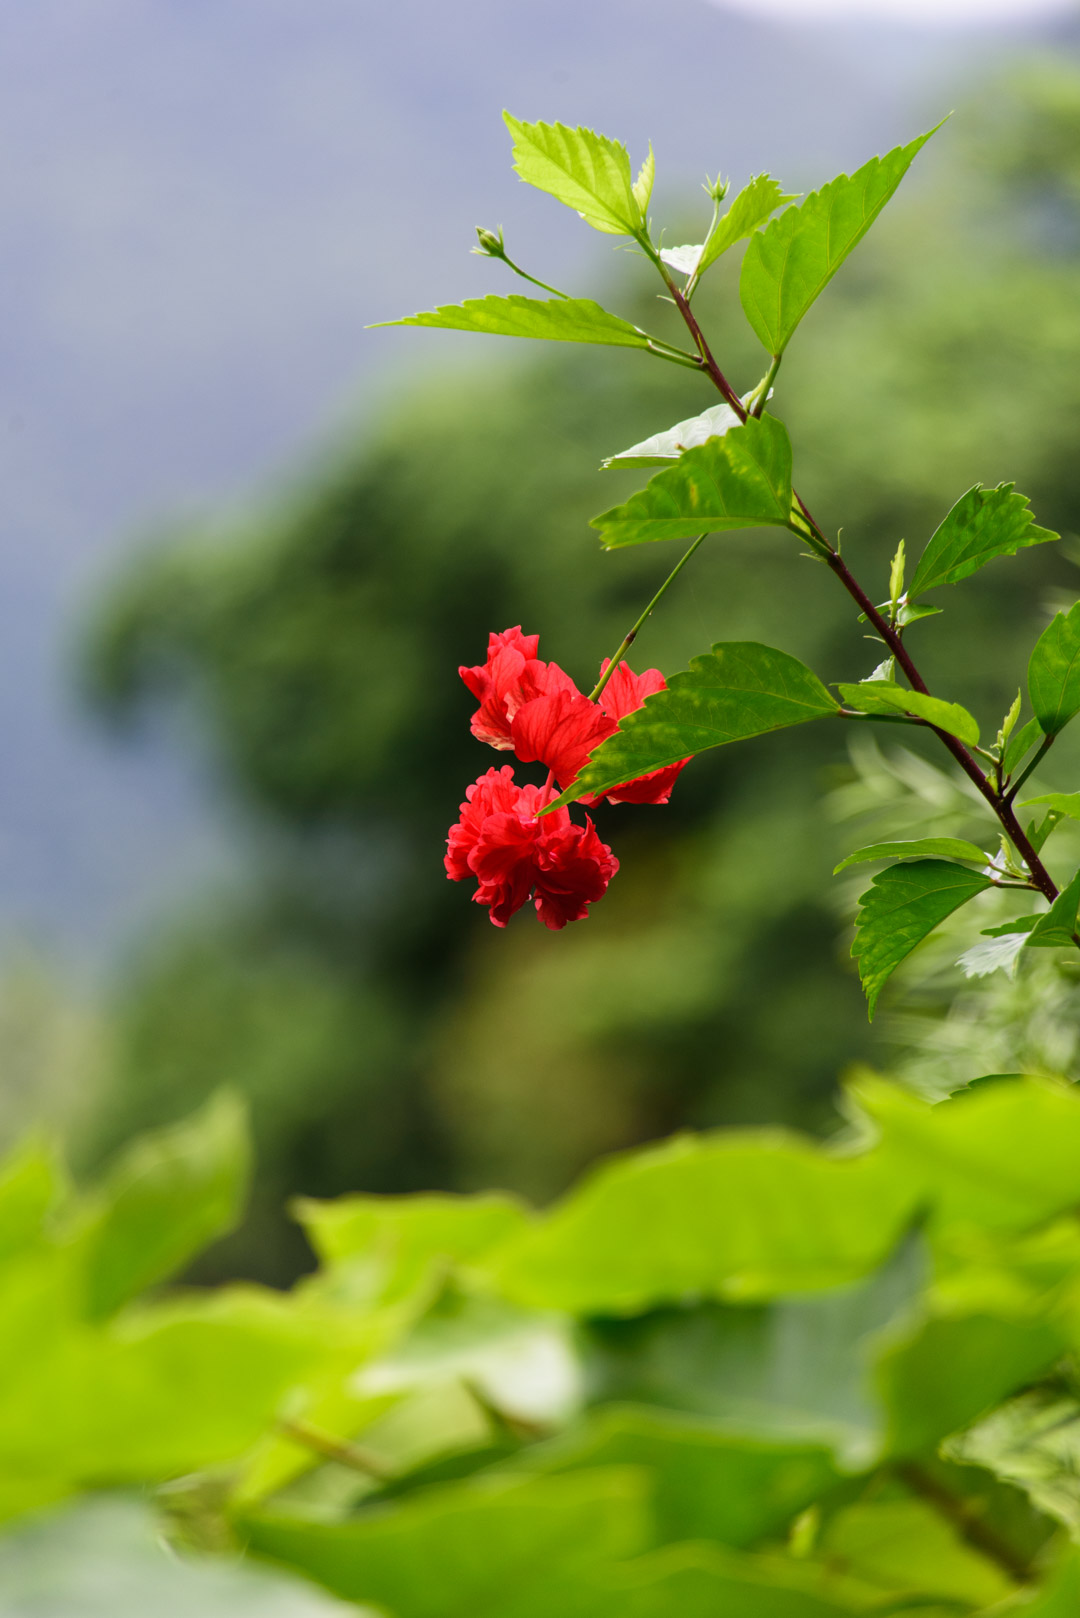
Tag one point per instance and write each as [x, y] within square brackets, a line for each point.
[753, 205]
[1054, 672]
[742, 480]
[643, 185]
[167, 1197]
[588, 172]
[1008, 724]
[984, 523]
[662, 448]
[794, 258]
[1063, 803]
[883, 697]
[915, 848]
[904, 905]
[995, 955]
[1058, 928]
[556, 320]
[1021, 742]
[739, 689]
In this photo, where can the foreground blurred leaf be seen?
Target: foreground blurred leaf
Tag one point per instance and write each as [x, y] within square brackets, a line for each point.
[882, 697]
[795, 257]
[588, 172]
[794, 1373]
[903, 907]
[739, 689]
[706, 1484]
[732, 1215]
[556, 320]
[984, 523]
[171, 1390]
[1004, 1156]
[915, 848]
[104, 1558]
[508, 1545]
[1054, 672]
[31, 1184]
[742, 480]
[906, 1547]
[165, 1199]
[950, 1369]
[402, 1240]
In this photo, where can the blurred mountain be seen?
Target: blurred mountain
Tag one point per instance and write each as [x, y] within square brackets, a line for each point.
[202, 207]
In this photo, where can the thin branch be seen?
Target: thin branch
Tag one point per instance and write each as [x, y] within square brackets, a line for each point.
[966, 1519]
[594, 694]
[335, 1449]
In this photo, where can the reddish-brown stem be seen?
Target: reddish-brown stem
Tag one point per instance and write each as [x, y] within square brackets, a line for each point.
[997, 799]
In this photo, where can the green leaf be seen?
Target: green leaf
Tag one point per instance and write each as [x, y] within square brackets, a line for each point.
[737, 690]
[707, 1484]
[949, 1370]
[753, 205]
[588, 172]
[168, 1196]
[663, 448]
[795, 1372]
[404, 1240]
[742, 480]
[907, 1546]
[728, 1215]
[643, 185]
[557, 320]
[916, 848]
[984, 523]
[32, 1183]
[904, 905]
[1054, 672]
[1058, 928]
[1003, 1157]
[882, 697]
[505, 1545]
[795, 257]
[1021, 742]
[1062, 803]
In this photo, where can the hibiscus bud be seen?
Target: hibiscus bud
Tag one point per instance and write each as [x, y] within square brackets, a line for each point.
[491, 245]
[717, 189]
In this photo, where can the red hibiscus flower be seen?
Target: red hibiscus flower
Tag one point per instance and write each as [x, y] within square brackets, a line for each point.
[624, 693]
[512, 675]
[513, 856]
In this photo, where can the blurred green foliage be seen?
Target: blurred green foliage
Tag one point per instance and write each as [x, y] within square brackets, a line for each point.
[742, 1371]
[384, 1033]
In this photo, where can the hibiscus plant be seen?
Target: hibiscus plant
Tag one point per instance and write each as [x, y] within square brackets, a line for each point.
[730, 468]
[736, 1373]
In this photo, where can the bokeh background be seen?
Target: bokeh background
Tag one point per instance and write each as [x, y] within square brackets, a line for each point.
[246, 541]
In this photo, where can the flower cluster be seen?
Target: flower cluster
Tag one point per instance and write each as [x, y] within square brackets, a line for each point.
[534, 710]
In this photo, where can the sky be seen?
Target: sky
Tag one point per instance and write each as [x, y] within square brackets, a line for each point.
[203, 205]
[925, 13]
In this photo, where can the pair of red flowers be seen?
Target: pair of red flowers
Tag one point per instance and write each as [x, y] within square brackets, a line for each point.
[535, 710]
